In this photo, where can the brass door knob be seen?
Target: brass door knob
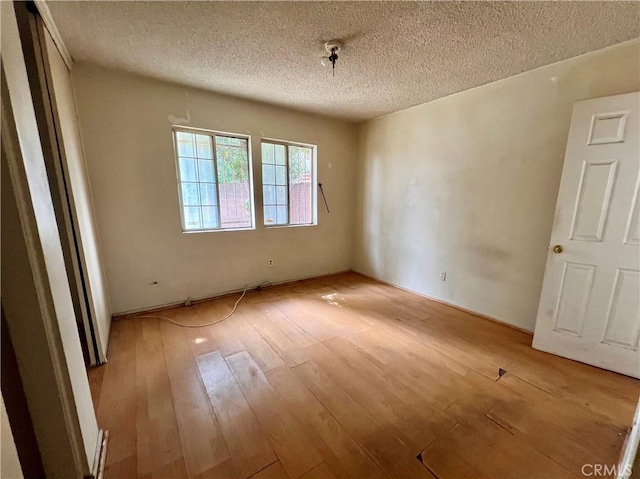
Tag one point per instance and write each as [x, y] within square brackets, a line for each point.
[558, 249]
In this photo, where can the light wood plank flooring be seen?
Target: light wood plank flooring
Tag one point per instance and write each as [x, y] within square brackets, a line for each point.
[345, 377]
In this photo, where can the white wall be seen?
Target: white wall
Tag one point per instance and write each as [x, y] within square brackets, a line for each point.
[126, 127]
[467, 184]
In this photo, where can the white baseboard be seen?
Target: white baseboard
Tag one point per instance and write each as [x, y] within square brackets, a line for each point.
[199, 299]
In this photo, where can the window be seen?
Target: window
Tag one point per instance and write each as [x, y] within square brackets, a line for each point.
[213, 180]
[288, 172]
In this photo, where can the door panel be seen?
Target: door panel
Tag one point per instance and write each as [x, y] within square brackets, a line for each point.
[575, 289]
[590, 302]
[592, 207]
[633, 228]
[622, 324]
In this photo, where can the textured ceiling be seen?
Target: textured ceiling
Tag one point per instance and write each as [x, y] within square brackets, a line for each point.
[396, 54]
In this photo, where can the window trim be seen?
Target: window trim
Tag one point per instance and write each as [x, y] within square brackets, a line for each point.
[176, 158]
[314, 180]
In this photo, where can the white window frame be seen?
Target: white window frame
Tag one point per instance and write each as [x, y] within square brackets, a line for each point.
[213, 133]
[314, 181]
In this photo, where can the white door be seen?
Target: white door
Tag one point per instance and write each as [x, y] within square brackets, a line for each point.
[589, 308]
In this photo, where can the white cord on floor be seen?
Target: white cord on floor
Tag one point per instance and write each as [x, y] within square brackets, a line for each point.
[173, 321]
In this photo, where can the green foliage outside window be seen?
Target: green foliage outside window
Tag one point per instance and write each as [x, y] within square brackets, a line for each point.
[232, 163]
[299, 164]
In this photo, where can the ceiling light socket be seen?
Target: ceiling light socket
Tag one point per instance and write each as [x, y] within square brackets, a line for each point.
[332, 45]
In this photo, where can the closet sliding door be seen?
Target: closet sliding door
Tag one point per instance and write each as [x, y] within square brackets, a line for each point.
[86, 261]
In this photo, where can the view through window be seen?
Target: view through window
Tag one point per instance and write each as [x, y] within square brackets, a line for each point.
[213, 180]
[287, 183]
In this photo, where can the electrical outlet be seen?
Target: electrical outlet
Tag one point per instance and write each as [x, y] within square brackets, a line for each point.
[443, 276]
[270, 262]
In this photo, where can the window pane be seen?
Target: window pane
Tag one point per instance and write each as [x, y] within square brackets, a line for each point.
[208, 194]
[300, 195]
[205, 170]
[192, 218]
[228, 140]
[210, 218]
[290, 169]
[185, 144]
[188, 170]
[300, 185]
[280, 156]
[190, 194]
[268, 175]
[272, 195]
[269, 215]
[268, 154]
[282, 215]
[232, 164]
[203, 146]
[233, 183]
[214, 180]
[269, 195]
[300, 159]
[281, 195]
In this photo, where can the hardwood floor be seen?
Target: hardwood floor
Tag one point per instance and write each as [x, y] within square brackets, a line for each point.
[344, 377]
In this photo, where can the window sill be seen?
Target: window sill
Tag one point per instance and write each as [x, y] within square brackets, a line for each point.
[289, 226]
[221, 230]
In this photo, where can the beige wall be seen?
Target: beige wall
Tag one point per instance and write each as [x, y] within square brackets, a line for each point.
[467, 184]
[126, 127]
